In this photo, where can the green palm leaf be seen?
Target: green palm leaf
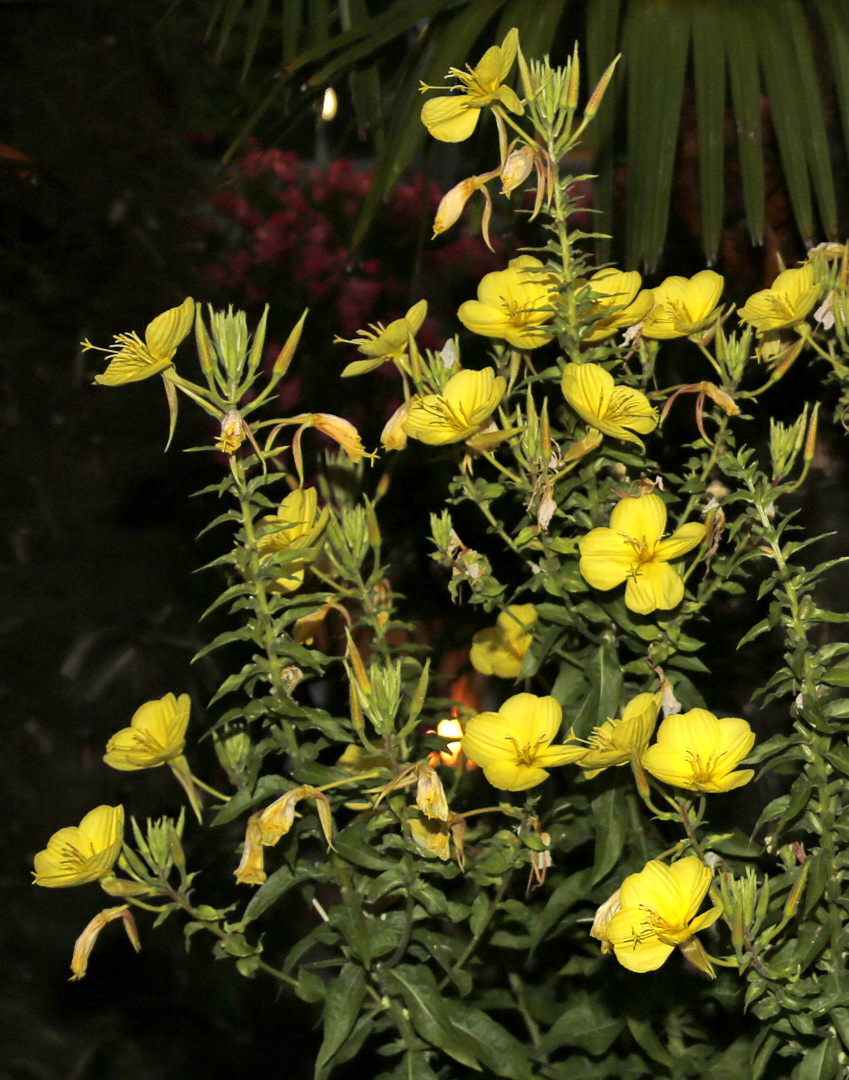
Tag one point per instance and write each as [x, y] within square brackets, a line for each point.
[752, 46]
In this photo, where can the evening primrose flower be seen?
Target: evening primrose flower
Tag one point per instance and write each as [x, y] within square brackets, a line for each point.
[513, 304]
[156, 735]
[381, 343]
[657, 912]
[82, 853]
[632, 550]
[301, 528]
[697, 751]
[785, 303]
[467, 401]
[620, 302]
[619, 741]
[683, 306]
[132, 359]
[609, 408]
[500, 649]
[455, 117]
[87, 939]
[512, 746]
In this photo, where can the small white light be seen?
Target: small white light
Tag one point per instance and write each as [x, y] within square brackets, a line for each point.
[330, 104]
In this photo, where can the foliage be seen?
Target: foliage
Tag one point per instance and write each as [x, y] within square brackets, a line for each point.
[748, 45]
[540, 915]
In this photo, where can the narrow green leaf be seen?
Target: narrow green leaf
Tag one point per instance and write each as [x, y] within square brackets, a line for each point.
[610, 822]
[283, 880]
[341, 1009]
[821, 1063]
[788, 108]
[655, 92]
[833, 15]
[602, 22]
[496, 1048]
[746, 97]
[565, 896]
[709, 74]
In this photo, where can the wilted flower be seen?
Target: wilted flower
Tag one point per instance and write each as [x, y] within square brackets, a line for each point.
[467, 401]
[342, 432]
[432, 836]
[393, 436]
[697, 751]
[517, 167]
[277, 819]
[683, 306]
[657, 912]
[430, 794]
[512, 746]
[609, 408]
[86, 941]
[302, 526]
[632, 550]
[619, 741]
[454, 118]
[601, 921]
[500, 649]
[513, 304]
[156, 735]
[380, 343]
[82, 853]
[786, 302]
[619, 302]
[132, 359]
[232, 432]
[251, 868]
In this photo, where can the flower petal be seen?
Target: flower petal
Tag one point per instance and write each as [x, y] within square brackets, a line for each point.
[656, 585]
[450, 119]
[642, 518]
[607, 558]
[690, 535]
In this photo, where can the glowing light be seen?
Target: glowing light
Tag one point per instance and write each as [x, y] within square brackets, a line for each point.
[329, 104]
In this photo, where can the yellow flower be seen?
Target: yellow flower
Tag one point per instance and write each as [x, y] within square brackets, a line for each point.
[617, 742]
[233, 432]
[380, 343]
[430, 794]
[302, 527]
[657, 912]
[432, 836]
[619, 302]
[500, 649]
[454, 118]
[156, 735]
[612, 409]
[82, 853]
[683, 306]
[134, 359]
[513, 304]
[786, 302]
[697, 751]
[512, 746]
[632, 550]
[467, 401]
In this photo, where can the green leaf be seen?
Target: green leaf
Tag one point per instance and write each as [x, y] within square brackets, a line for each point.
[821, 1063]
[583, 1022]
[565, 896]
[746, 97]
[430, 1014]
[341, 1009]
[709, 74]
[497, 1049]
[610, 823]
[602, 701]
[654, 107]
[283, 880]
[266, 789]
[645, 1037]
